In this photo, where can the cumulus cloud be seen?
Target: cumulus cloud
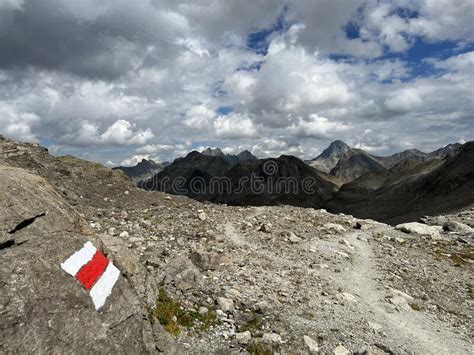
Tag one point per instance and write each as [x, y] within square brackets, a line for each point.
[154, 78]
[404, 101]
[318, 127]
[234, 126]
[122, 133]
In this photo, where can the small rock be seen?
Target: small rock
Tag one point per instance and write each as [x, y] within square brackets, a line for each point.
[453, 226]
[203, 310]
[209, 261]
[232, 294]
[293, 238]
[375, 326]
[244, 337]
[349, 297]
[264, 228]
[124, 234]
[262, 306]
[344, 255]
[168, 198]
[124, 214]
[273, 338]
[126, 193]
[225, 304]
[221, 314]
[397, 293]
[341, 350]
[334, 228]
[311, 344]
[419, 228]
[399, 299]
[202, 216]
[346, 242]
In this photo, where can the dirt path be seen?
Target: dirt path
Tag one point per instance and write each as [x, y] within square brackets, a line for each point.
[414, 331]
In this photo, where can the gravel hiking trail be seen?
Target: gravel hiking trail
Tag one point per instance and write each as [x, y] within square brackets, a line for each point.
[414, 331]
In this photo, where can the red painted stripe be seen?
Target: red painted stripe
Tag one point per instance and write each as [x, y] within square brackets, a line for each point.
[91, 272]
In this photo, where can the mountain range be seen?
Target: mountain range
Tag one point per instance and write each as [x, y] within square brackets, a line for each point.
[348, 163]
[349, 180]
[411, 188]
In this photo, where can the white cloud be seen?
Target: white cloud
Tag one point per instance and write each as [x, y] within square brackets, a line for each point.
[404, 101]
[199, 118]
[20, 127]
[134, 160]
[123, 133]
[318, 127]
[234, 126]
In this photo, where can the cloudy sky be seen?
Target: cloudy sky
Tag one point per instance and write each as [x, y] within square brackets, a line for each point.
[118, 80]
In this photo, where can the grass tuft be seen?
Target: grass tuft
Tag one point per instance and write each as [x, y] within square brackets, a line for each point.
[173, 317]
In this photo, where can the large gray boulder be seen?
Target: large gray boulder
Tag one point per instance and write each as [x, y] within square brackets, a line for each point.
[42, 308]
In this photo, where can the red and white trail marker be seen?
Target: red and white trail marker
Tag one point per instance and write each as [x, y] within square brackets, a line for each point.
[94, 271]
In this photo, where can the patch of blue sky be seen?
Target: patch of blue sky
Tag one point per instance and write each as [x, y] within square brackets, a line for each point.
[258, 41]
[225, 110]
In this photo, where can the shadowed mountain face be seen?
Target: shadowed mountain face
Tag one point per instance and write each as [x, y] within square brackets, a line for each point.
[355, 163]
[285, 180]
[177, 177]
[143, 170]
[411, 188]
[232, 159]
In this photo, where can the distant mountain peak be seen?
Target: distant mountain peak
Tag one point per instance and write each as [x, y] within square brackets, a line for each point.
[213, 152]
[246, 155]
[330, 156]
[335, 149]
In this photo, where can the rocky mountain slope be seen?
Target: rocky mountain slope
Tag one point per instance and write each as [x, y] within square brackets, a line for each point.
[202, 278]
[411, 189]
[143, 170]
[347, 164]
[251, 182]
[355, 163]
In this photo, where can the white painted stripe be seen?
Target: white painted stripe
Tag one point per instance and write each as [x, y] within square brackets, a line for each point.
[103, 287]
[80, 258]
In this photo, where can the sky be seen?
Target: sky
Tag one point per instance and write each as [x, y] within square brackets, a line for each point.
[117, 81]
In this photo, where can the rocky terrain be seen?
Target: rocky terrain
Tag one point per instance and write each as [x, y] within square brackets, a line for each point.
[201, 278]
